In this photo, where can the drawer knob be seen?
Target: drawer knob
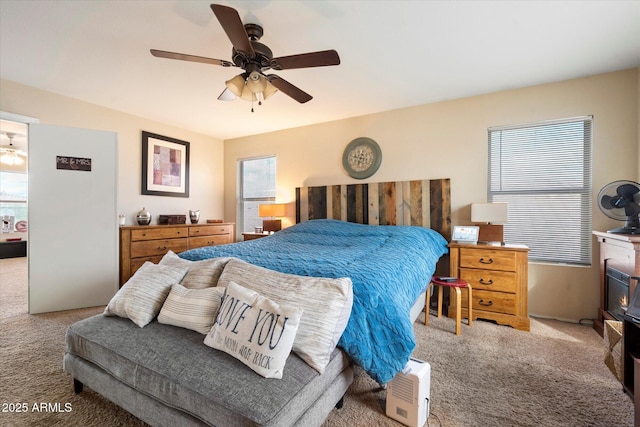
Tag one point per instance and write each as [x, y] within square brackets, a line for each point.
[486, 282]
[486, 304]
[484, 261]
[163, 248]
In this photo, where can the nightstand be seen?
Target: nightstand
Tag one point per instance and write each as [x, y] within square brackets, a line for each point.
[498, 275]
[252, 236]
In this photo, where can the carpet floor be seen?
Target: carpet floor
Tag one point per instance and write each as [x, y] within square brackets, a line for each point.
[489, 376]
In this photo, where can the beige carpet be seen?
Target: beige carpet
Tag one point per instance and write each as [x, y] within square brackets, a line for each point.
[489, 376]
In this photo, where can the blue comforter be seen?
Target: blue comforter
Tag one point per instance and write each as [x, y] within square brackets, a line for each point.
[389, 267]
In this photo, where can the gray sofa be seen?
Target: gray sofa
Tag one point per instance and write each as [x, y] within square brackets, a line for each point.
[165, 376]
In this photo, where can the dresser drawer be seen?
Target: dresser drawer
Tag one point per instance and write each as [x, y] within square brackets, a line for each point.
[498, 302]
[488, 259]
[159, 232]
[136, 263]
[490, 280]
[145, 248]
[209, 230]
[198, 242]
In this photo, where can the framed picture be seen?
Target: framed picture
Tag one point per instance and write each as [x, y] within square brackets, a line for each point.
[165, 166]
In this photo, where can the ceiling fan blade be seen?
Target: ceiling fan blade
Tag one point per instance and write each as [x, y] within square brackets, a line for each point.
[232, 25]
[192, 58]
[306, 60]
[289, 89]
[226, 95]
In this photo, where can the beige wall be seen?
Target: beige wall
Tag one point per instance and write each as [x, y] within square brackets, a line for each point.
[449, 139]
[206, 165]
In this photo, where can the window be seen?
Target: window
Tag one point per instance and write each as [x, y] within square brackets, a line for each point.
[13, 195]
[543, 170]
[257, 185]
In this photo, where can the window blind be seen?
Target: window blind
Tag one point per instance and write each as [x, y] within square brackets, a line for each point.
[257, 185]
[543, 170]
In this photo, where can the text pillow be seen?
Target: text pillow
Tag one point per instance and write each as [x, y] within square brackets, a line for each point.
[141, 298]
[326, 304]
[194, 309]
[255, 330]
[200, 274]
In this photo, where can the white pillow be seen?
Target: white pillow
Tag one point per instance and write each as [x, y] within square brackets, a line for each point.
[326, 304]
[141, 298]
[194, 309]
[255, 330]
[201, 274]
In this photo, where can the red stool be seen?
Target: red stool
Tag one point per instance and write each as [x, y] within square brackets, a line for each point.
[457, 284]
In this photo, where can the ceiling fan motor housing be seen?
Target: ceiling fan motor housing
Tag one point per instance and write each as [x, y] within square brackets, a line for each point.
[263, 55]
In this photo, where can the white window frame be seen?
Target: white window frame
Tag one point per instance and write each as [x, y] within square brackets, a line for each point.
[544, 171]
[242, 199]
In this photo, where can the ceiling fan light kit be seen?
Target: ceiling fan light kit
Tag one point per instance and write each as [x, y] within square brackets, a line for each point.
[9, 155]
[255, 59]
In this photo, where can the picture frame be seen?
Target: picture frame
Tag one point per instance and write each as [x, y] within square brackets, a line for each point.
[165, 166]
[465, 233]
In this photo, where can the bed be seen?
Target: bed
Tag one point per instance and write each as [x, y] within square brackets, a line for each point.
[390, 264]
[163, 373]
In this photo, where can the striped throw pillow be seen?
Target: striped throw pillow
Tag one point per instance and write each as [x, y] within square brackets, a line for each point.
[194, 309]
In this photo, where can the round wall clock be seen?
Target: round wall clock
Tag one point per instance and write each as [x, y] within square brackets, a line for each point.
[362, 158]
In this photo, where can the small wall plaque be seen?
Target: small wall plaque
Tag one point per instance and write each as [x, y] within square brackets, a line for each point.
[73, 163]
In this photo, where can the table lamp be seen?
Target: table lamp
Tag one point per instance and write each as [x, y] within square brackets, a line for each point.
[490, 217]
[272, 211]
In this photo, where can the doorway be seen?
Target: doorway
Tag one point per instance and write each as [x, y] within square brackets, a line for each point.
[14, 202]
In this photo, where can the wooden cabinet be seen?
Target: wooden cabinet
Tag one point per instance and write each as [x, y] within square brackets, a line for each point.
[620, 252]
[498, 276]
[139, 244]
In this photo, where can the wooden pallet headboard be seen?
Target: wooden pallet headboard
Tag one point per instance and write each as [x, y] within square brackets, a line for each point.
[425, 203]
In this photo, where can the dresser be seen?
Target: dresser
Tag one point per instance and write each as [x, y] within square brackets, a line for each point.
[498, 275]
[139, 244]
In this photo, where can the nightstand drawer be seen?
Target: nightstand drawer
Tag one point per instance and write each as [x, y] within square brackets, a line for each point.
[488, 259]
[146, 248]
[159, 232]
[209, 230]
[498, 302]
[198, 242]
[490, 280]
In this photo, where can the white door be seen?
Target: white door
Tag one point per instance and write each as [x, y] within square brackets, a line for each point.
[73, 231]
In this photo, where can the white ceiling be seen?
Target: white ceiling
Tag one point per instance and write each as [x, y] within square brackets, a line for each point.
[394, 53]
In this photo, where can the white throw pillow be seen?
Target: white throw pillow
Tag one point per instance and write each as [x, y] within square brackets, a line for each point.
[326, 304]
[141, 298]
[194, 309]
[201, 274]
[255, 330]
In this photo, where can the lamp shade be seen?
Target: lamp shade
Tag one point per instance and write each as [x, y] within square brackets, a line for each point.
[236, 84]
[269, 90]
[271, 210]
[493, 213]
[256, 83]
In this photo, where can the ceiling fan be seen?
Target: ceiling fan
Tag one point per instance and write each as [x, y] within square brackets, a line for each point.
[9, 154]
[255, 59]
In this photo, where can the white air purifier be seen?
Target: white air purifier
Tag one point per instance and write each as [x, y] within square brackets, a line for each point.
[408, 394]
